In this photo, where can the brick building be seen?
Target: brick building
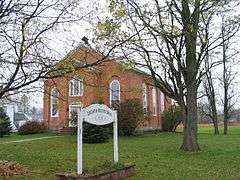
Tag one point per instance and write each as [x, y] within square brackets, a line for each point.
[108, 82]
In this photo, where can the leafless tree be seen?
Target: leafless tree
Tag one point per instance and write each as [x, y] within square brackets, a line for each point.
[211, 109]
[25, 53]
[27, 32]
[228, 76]
[227, 25]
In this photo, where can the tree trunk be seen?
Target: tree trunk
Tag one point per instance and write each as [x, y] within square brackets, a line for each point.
[215, 123]
[225, 126]
[212, 100]
[190, 125]
[225, 103]
[225, 81]
[191, 25]
[225, 120]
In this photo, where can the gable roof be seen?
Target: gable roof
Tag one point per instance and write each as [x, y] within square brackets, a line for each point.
[90, 52]
[81, 46]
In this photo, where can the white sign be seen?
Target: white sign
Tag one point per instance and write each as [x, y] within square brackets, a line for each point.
[98, 114]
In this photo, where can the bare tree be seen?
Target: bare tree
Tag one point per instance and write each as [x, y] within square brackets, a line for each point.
[171, 44]
[228, 55]
[210, 110]
[227, 25]
[227, 79]
[27, 29]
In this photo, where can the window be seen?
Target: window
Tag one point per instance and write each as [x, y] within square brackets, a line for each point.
[114, 93]
[5, 109]
[144, 98]
[76, 87]
[73, 114]
[154, 101]
[54, 102]
[162, 101]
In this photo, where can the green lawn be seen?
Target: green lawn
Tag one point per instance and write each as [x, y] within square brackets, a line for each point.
[156, 156]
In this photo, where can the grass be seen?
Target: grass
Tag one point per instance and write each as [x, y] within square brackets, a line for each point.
[156, 156]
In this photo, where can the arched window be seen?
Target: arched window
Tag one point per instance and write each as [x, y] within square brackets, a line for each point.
[114, 93]
[154, 101]
[144, 98]
[73, 113]
[162, 101]
[76, 87]
[54, 102]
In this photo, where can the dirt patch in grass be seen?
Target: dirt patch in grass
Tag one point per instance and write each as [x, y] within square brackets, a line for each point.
[12, 168]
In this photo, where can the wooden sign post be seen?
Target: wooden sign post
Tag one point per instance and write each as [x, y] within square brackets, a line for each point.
[98, 114]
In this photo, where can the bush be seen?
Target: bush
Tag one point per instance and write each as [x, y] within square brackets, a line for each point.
[95, 134]
[130, 115]
[5, 124]
[32, 127]
[92, 133]
[171, 119]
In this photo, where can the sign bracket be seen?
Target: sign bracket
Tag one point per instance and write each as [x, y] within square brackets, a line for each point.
[98, 114]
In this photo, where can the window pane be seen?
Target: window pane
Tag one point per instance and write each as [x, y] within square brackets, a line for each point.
[73, 115]
[76, 87]
[114, 93]
[154, 101]
[71, 88]
[162, 102]
[81, 88]
[54, 109]
[54, 102]
[144, 98]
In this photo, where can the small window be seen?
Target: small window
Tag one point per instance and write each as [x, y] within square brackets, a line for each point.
[144, 98]
[76, 87]
[114, 93]
[73, 114]
[5, 109]
[162, 101]
[154, 101]
[54, 102]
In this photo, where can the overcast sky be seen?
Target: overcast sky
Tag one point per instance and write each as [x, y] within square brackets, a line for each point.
[63, 42]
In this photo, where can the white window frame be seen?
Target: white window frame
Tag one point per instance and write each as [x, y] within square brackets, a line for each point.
[154, 101]
[162, 101]
[76, 105]
[110, 89]
[71, 87]
[51, 101]
[145, 98]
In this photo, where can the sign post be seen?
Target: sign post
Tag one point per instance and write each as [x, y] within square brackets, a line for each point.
[79, 142]
[115, 138]
[98, 114]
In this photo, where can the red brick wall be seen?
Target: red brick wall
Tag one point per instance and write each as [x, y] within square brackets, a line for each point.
[96, 87]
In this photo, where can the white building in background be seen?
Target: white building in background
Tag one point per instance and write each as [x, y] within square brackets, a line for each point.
[16, 117]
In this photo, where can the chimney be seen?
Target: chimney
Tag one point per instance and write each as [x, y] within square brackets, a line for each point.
[85, 40]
